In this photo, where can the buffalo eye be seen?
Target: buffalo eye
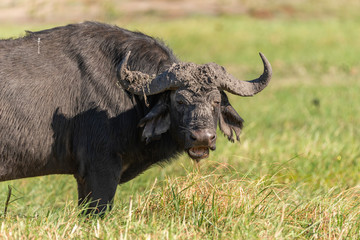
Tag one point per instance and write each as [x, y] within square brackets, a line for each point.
[180, 102]
[216, 103]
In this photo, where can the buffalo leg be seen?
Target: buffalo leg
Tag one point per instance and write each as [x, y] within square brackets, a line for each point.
[96, 191]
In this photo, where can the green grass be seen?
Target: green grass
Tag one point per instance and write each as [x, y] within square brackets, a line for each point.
[295, 173]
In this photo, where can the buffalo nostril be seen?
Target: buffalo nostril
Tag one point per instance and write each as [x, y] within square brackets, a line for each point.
[212, 137]
[193, 137]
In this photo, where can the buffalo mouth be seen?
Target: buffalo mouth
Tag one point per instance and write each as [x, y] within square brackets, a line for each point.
[198, 153]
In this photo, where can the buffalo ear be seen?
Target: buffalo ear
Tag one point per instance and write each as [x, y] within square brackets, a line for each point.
[229, 120]
[156, 122]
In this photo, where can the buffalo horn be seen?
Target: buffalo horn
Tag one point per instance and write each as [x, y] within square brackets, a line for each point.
[232, 85]
[143, 84]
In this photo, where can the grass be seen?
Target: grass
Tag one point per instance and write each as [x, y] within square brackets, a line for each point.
[293, 176]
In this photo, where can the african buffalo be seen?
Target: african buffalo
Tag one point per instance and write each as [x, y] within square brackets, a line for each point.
[104, 104]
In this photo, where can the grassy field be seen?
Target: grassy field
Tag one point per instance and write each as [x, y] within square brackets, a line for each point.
[295, 174]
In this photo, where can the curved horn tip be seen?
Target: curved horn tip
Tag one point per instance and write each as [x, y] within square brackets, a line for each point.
[123, 64]
[127, 57]
[267, 65]
[264, 59]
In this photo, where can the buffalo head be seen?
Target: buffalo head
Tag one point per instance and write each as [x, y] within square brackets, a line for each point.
[194, 103]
